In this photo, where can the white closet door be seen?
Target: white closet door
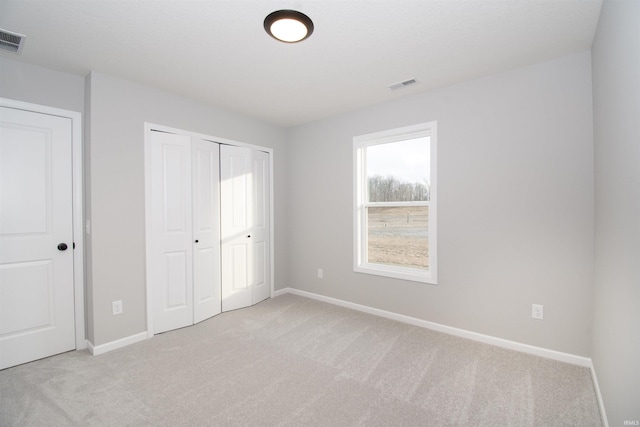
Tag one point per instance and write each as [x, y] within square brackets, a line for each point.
[36, 238]
[260, 229]
[244, 190]
[171, 223]
[205, 166]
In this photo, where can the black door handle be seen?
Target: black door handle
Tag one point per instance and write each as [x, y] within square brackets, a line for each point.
[62, 247]
[196, 241]
[249, 236]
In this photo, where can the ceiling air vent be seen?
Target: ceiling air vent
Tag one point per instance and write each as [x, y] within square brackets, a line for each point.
[405, 83]
[13, 42]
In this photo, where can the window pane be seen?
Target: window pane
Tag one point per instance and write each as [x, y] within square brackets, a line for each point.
[399, 171]
[398, 236]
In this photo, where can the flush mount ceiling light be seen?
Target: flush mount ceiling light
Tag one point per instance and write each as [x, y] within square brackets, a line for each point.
[289, 26]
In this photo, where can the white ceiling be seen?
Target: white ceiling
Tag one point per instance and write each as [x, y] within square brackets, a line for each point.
[217, 51]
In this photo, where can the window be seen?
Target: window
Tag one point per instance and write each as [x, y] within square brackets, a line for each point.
[395, 203]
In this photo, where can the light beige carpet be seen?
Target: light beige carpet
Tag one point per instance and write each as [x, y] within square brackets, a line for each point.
[292, 361]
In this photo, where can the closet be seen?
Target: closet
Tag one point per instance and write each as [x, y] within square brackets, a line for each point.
[208, 242]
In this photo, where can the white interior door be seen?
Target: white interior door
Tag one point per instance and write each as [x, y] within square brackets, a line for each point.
[206, 229]
[244, 175]
[171, 273]
[36, 236]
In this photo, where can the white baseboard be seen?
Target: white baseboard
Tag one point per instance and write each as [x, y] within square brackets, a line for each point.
[281, 292]
[475, 336]
[114, 345]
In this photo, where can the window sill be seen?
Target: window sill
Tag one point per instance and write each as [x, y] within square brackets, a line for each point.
[410, 274]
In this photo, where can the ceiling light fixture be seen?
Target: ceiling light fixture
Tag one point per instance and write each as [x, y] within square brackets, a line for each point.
[289, 26]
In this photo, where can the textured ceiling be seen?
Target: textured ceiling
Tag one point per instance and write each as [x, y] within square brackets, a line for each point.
[217, 51]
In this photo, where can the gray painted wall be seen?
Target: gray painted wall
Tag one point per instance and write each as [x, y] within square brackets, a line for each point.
[114, 113]
[88, 251]
[118, 110]
[516, 199]
[515, 206]
[38, 85]
[616, 95]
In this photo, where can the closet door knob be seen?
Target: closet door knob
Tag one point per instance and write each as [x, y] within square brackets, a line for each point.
[249, 236]
[62, 247]
[196, 241]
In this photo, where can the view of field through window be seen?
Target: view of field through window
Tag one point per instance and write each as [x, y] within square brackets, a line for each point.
[398, 183]
[399, 236]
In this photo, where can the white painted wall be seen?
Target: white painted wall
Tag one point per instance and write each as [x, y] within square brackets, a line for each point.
[117, 111]
[515, 199]
[616, 96]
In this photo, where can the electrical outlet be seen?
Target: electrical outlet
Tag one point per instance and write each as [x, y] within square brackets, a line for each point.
[320, 273]
[537, 311]
[116, 307]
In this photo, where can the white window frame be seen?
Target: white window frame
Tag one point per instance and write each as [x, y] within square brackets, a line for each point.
[360, 143]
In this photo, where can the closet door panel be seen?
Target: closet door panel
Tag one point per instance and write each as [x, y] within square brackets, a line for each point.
[235, 177]
[171, 274]
[206, 229]
[260, 227]
[245, 226]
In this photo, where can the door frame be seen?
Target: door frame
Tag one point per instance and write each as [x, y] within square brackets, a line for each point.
[148, 128]
[77, 208]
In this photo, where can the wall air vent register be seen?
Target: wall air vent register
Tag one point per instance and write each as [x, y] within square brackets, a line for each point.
[13, 42]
